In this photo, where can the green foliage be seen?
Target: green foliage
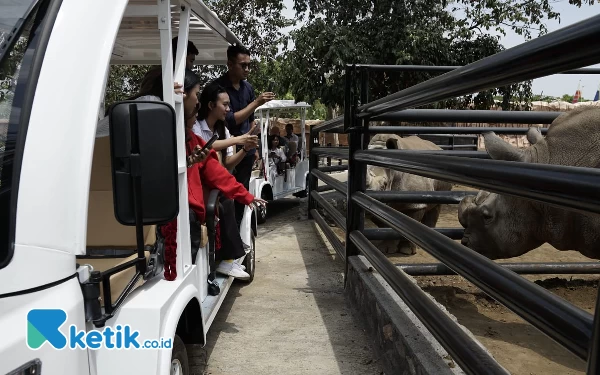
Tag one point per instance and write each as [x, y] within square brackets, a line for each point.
[405, 32]
[8, 78]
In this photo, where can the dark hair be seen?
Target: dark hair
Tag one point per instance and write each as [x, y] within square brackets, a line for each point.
[235, 50]
[270, 140]
[211, 94]
[191, 48]
[190, 80]
[151, 84]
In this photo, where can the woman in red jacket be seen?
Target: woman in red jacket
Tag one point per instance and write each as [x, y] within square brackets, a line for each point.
[203, 168]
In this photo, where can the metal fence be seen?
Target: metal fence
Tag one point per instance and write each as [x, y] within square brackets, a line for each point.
[572, 188]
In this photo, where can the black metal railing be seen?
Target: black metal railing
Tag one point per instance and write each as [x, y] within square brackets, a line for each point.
[568, 187]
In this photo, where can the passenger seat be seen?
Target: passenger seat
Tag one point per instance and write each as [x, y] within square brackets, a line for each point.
[104, 233]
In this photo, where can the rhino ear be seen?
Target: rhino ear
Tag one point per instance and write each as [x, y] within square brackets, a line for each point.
[534, 135]
[500, 150]
[393, 143]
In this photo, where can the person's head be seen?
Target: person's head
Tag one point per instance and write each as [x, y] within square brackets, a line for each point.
[274, 142]
[191, 87]
[238, 62]
[192, 52]
[214, 102]
[151, 84]
[289, 129]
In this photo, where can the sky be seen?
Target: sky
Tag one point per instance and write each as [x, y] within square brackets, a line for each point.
[555, 85]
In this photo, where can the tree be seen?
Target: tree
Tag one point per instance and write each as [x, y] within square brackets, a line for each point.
[403, 32]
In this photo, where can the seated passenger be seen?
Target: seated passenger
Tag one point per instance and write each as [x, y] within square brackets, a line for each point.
[203, 168]
[276, 156]
[214, 105]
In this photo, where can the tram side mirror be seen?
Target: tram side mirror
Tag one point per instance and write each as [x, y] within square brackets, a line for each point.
[143, 152]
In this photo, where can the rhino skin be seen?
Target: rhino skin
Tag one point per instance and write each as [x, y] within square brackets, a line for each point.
[500, 226]
[385, 179]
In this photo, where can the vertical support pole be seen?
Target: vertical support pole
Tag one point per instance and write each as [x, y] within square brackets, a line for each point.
[356, 171]
[593, 362]
[364, 99]
[313, 163]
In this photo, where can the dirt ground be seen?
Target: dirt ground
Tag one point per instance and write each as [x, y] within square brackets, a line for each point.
[516, 344]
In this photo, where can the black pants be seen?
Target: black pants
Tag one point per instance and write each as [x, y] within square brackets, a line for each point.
[242, 174]
[232, 246]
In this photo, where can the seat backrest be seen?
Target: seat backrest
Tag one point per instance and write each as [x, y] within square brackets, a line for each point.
[103, 229]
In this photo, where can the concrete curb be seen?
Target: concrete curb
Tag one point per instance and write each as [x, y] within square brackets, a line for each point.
[402, 343]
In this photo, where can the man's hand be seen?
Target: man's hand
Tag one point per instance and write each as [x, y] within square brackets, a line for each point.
[265, 97]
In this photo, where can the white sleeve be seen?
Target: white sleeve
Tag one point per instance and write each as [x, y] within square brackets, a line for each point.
[230, 148]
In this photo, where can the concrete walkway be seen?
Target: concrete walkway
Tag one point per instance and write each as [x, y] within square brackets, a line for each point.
[293, 318]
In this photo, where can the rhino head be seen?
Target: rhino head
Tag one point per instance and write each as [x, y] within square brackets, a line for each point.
[378, 178]
[502, 226]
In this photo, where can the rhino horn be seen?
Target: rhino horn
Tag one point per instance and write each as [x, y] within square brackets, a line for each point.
[534, 135]
[498, 149]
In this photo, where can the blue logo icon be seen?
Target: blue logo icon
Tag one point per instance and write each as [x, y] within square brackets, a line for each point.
[43, 325]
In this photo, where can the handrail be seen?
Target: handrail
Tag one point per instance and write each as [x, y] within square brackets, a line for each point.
[566, 187]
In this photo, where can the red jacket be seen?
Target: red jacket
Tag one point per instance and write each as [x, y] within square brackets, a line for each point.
[214, 176]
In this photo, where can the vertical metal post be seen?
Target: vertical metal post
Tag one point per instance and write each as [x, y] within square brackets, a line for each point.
[593, 362]
[313, 163]
[356, 171]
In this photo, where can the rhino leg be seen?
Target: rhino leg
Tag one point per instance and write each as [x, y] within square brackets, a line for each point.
[431, 217]
[405, 246]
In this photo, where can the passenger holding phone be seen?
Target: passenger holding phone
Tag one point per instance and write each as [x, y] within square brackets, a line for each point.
[214, 106]
[243, 103]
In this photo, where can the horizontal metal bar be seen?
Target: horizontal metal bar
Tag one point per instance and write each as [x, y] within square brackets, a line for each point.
[470, 356]
[440, 269]
[334, 152]
[446, 130]
[334, 168]
[392, 235]
[441, 197]
[445, 69]
[331, 211]
[565, 323]
[337, 185]
[458, 147]
[562, 186]
[331, 237]
[470, 116]
[335, 123]
[533, 59]
[324, 188]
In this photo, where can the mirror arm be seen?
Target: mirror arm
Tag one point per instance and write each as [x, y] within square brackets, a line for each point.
[135, 166]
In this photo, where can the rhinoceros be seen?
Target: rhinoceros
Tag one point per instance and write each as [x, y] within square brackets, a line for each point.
[500, 226]
[385, 179]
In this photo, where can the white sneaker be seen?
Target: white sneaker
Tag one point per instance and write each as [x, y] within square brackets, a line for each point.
[232, 269]
[238, 263]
